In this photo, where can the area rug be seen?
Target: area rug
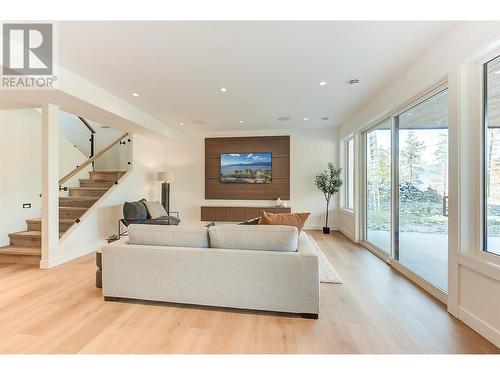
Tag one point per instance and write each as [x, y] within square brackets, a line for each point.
[327, 273]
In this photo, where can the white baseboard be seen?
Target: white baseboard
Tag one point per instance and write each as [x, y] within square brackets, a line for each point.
[484, 329]
[346, 233]
[44, 264]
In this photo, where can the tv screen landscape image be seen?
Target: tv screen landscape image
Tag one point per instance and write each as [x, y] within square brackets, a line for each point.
[248, 168]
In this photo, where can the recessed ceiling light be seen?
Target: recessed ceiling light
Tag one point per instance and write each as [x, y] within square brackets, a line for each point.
[305, 119]
[353, 82]
[241, 121]
[322, 83]
[181, 123]
[223, 89]
[135, 94]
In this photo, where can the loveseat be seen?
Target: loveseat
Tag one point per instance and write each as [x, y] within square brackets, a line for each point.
[260, 267]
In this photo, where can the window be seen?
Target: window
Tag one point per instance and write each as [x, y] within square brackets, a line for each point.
[378, 186]
[406, 187]
[491, 165]
[421, 222]
[349, 174]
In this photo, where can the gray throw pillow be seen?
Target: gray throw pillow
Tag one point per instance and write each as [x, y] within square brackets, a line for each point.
[135, 212]
[155, 209]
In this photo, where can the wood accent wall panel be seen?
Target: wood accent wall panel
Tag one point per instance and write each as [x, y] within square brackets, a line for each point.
[227, 213]
[278, 146]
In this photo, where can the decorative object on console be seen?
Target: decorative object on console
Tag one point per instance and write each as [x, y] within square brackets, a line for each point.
[279, 202]
[329, 183]
[295, 220]
[166, 178]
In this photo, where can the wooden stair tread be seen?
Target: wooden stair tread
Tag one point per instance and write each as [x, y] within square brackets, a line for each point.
[90, 181]
[88, 188]
[69, 208]
[19, 250]
[110, 172]
[27, 234]
[80, 198]
[39, 220]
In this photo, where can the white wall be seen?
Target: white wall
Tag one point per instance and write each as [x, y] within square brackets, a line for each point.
[20, 170]
[474, 280]
[310, 151]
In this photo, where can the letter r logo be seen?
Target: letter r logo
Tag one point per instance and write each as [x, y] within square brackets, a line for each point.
[27, 49]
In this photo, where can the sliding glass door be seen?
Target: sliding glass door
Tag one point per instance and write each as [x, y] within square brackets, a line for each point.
[406, 188]
[422, 222]
[378, 186]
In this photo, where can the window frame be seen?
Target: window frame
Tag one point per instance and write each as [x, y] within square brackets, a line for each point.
[483, 71]
[348, 189]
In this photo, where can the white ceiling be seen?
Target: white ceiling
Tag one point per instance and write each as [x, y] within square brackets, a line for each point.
[270, 69]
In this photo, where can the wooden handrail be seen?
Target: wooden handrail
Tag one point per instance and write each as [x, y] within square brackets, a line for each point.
[89, 161]
[86, 123]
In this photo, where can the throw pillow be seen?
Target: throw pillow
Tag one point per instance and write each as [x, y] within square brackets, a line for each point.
[295, 220]
[155, 209]
[135, 212]
[251, 221]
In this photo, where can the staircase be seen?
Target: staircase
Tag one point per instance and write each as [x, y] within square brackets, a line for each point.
[25, 247]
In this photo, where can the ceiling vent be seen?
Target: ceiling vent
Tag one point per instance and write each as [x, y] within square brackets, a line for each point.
[199, 122]
[353, 82]
[284, 118]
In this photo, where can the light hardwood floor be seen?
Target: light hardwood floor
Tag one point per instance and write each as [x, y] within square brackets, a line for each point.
[376, 310]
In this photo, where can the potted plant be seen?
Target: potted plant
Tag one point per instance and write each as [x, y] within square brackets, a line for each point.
[329, 182]
[113, 238]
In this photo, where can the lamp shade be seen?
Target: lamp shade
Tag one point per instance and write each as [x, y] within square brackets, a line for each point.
[165, 176]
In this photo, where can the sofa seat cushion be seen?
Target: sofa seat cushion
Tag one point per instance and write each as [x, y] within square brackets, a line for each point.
[254, 237]
[168, 235]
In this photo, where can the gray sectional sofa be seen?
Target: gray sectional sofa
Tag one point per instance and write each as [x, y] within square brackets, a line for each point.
[261, 267]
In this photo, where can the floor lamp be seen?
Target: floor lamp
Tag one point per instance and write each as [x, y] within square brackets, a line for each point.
[166, 178]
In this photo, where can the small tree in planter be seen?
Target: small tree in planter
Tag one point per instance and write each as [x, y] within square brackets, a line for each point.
[329, 182]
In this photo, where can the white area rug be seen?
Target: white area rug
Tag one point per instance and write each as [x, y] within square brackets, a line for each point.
[327, 273]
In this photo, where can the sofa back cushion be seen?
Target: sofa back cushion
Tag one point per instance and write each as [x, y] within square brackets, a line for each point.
[168, 235]
[254, 237]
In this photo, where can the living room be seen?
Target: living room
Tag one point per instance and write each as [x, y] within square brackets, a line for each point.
[249, 187]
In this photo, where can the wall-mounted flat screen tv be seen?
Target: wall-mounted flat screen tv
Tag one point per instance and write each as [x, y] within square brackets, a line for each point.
[248, 168]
